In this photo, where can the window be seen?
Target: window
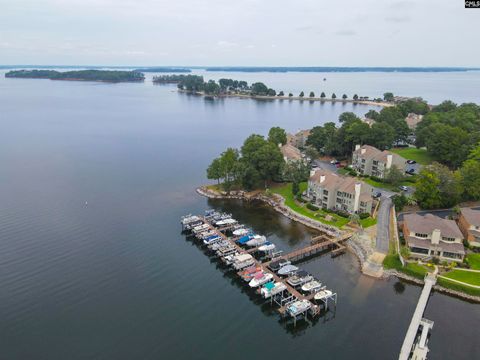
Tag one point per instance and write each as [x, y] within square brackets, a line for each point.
[451, 255]
[421, 235]
[450, 239]
[419, 250]
[325, 192]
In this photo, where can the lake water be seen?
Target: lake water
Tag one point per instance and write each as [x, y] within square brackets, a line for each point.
[94, 178]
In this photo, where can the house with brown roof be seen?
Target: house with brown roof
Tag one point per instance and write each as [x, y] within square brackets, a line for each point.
[431, 236]
[299, 139]
[469, 224]
[369, 160]
[290, 153]
[332, 191]
[412, 120]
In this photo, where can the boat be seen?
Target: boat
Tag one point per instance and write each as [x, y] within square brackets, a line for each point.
[212, 239]
[229, 259]
[242, 261]
[225, 222]
[270, 289]
[260, 279]
[225, 251]
[244, 239]
[250, 276]
[190, 219]
[322, 294]
[300, 278]
[266, 247]
[277, 264]
[200, 228]
[240, 232]
[287, 270]
[298, 307]
[312, 286]
[256, 241]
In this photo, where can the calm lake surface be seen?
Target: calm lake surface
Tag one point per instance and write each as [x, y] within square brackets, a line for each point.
[94, 179]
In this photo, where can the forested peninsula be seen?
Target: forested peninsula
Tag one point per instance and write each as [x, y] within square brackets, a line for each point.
[78, 75]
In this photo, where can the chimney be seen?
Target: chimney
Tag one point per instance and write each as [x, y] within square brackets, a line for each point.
[356, 204]
[389, 161]
[436, 236]
[363, 151]
[312, 172]
[322, 178]
[357, 147]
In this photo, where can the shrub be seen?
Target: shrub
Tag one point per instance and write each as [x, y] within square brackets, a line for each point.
[312, 207]
[364, 216]
[352, 172]
[375, 178]
[300, 199]
[343, 214]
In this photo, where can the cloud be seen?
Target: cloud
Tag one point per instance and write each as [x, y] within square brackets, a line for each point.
[226, 44]
[345, 33]
[303, 28]
[398, 19]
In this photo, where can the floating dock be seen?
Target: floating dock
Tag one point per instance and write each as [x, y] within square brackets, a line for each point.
[292, 303]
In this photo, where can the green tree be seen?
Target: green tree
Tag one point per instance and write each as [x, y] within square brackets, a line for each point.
[290, 94]
[470, 179]
[447, 144]
[334, 96]
[372, 114]
[344, 97]
[259, 88]
[427, 192]
[312, 94]
[394, 176]
[214, 170]
[388, 96]
[348, 117]
[355, 97]
[445, 106]
[322, 95]
[295, 188]
[211, 88]
[281, 93]
[382, 136]
[277, 135]
[271, 92]
[302, 94]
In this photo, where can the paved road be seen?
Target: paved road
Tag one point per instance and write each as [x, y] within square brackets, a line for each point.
[383, 225]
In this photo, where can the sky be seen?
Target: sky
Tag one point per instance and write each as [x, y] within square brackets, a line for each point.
[239, 32]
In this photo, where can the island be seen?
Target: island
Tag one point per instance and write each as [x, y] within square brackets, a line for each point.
[164, 69]
[113, 76]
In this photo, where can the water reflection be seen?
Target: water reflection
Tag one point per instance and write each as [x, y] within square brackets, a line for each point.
[399, 287]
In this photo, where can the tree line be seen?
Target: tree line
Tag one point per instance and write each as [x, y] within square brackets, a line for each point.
[86, 75]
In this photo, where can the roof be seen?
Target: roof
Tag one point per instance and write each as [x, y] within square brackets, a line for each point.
[427, 223]
[332, 181]
[472, 216]
[291, 152]
[413, 119]
[304, 133]
[373, 153]
[426, 244]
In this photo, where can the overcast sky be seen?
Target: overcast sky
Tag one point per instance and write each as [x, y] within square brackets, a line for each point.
[239, 32]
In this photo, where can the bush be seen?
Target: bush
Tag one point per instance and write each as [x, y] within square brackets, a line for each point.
[377, 179]
[343, 214]
[363, 215]
[352, 172]
[312, 207]
[364, 176]
[299, 198]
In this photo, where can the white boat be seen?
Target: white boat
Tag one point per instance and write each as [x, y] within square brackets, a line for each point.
[266, 247]
[229, 259]
[200, 228]
[257, 241]
[287, 270]
[260, 279]
[312, 286]
[226, 222]
[240, 232]
[298, 307]
[270, 289]
[300, 278]
[189, 219]
[322, 294]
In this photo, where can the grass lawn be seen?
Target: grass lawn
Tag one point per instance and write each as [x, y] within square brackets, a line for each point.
[368, 222]
[286, 192]
[343, 171]
[468, 277]
[454, 286]
[474, 261]
[392, 261]
[419, 155]
[379, 184]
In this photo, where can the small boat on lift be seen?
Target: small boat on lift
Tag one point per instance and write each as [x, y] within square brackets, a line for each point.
[322, 294]
[256, 241]
[260, 279]
[266, 247]
[270, 289]
[312, 286]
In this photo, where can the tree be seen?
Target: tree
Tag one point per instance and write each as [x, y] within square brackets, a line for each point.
[372, 114]
[382, 136]
[445, 106]
[322, 95]
[271, 92]
[470, 179]
[211, 88]
[312, 94]
[302, 94]
[394, 176]
[355, 97]
[447, 144]
[277, 136]
[281, 93]
[290, 94]
[268, 160]
[344, 96]
[402, 131]
[348, 117]
[259, 88]
[427, 192]
[399, 201]
[388, 96]
[214, 171]
[334, 96]
[228, 161]
[295, 188]
[311, 152]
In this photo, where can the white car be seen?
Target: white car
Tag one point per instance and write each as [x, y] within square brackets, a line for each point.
[403, 188]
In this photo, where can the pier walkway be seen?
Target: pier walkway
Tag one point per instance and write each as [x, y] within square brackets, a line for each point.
[419, 350]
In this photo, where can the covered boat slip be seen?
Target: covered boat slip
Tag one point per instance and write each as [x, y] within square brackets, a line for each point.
[256, 274]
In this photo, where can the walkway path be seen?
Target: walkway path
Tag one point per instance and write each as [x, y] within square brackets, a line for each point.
[459, 282]
[383, 225]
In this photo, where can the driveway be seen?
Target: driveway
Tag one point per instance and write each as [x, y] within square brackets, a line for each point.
[383, 225]
[324, 164]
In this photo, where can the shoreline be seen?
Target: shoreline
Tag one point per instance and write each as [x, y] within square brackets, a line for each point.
[290, 98]
[351, 244]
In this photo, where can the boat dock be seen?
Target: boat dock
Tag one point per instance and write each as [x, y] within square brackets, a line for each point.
[292, 303]
[415, 345]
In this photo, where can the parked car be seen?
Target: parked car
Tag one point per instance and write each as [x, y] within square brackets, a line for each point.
[377, 194]
[334, 162]
[403, 188]
[411, 162]
[410, 171]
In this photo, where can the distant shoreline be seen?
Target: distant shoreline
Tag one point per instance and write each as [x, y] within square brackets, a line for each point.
[289, 98]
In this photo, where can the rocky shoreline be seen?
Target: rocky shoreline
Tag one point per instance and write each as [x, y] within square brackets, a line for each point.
[353, 244]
